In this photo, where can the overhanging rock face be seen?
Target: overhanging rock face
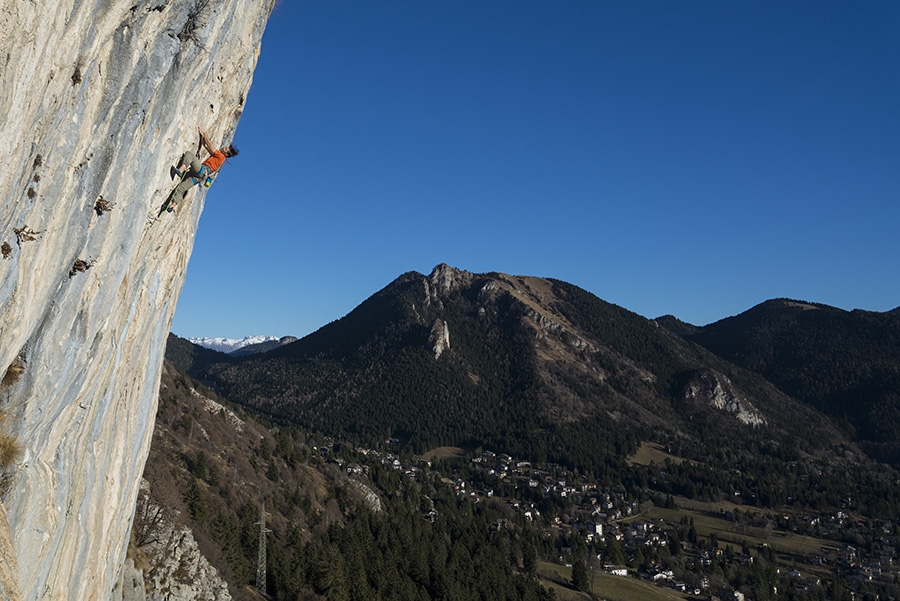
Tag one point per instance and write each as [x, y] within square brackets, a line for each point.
[97, 99]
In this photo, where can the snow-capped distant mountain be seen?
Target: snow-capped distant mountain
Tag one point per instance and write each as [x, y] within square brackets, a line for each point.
[229, 345]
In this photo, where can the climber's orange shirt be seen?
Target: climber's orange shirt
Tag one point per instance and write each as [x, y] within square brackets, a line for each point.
[215, 161]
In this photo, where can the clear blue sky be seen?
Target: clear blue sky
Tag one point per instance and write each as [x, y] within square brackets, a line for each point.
[692, 158]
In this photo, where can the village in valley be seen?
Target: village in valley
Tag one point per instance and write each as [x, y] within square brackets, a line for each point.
[691, 547]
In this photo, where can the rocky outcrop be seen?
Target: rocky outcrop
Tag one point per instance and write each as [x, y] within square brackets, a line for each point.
[442, 281]
[131, 586]
[175, 573]
[373, 501]
[715, 389]
[217, 408]
[168, 565]
[99, 98]
[439, 339]
[444, 278]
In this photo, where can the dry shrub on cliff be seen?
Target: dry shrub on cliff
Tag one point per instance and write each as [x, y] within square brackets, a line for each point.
[77, 76]
[79, 266]
[13, 372]
[102, 206]
[150, 520]
[25, 234]
[10, 451]
[194, 22]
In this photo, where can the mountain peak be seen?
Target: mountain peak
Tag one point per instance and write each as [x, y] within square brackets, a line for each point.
[229, 345]
[444, 278]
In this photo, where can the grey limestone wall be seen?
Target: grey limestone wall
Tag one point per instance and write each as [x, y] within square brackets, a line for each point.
[97, 98]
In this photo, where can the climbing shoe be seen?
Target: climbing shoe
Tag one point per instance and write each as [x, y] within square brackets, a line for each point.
[173, 173]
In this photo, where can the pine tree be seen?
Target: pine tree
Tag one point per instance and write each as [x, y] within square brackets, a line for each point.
[529, 559]
[193, 498]
[580, 580]
[614, 552]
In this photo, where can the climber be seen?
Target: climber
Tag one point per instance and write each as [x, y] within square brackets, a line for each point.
[198, 171]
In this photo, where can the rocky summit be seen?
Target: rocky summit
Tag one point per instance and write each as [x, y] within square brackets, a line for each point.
[99, 98]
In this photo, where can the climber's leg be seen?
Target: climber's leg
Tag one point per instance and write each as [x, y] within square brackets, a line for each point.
[188, 159]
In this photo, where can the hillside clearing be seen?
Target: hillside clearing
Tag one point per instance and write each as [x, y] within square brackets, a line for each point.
[606, 586]
[728, 532]
[651, 452]
[444, 453]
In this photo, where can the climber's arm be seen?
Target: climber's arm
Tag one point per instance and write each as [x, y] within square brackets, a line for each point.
[204, 140]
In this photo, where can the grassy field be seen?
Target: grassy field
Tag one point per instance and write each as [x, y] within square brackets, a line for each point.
[651, 452]
[606, 586]
[731, 533]
[444, 453]
[790, 550]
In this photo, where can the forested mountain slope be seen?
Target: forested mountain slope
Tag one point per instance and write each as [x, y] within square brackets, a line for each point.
[538, 367]
[844, 363]
[337, 529]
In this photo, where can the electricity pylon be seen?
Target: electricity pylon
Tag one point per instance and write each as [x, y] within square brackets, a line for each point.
[261, 558]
